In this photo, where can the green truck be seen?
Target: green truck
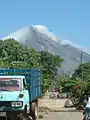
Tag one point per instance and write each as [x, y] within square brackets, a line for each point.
[19, 93]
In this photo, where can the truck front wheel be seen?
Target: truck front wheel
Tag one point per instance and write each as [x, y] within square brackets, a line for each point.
[34, 111]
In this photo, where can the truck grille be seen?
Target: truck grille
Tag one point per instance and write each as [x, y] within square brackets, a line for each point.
[5, 104]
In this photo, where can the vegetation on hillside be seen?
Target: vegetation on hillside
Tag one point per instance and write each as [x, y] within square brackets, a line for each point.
[82, 90]
[78, 85]
[15, 55]
[50, 64]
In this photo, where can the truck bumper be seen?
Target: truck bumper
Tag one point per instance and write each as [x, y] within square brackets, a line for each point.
[10, 114]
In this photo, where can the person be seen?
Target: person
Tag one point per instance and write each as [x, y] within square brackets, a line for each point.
[83, 115]
[58, 95]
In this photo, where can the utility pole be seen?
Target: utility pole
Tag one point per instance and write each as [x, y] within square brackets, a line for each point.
[82, 64]
[55, 78]
[54, 86]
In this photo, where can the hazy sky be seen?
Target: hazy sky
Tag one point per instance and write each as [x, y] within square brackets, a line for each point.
[68, 19]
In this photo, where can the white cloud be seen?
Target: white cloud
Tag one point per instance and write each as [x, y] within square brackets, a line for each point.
[83, 48]
[44, 30]
[41, 28]
[66, 42]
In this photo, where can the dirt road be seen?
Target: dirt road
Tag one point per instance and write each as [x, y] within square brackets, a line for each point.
[63, 116]
[60, 114]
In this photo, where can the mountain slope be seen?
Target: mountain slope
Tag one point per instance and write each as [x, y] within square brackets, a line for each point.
[40, 38]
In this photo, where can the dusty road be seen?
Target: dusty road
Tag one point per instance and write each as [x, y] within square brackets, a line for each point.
[58, 105]
[62, 116]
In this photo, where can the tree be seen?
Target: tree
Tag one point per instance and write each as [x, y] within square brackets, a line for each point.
[15, 55]
[82, 89]
[86, 71]
[50, 64]
[66, 83]
[79, 88]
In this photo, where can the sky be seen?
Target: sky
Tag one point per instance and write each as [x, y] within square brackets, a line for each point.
[67, 19]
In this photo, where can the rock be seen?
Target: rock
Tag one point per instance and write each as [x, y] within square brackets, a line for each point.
[68, 103]
[40, 116]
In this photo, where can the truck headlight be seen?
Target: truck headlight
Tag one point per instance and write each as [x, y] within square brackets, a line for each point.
[17, 104]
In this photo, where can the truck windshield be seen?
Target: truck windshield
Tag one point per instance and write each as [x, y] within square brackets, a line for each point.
[10, 84]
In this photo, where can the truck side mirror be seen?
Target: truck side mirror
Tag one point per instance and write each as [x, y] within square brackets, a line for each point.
[26, 86]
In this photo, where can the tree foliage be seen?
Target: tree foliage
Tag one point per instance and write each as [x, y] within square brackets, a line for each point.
[15, 55]
[85, 67]
[81, 91]
[67, 84]
[50, 64]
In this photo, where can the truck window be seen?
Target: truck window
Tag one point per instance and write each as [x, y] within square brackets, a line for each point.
[10, 84]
